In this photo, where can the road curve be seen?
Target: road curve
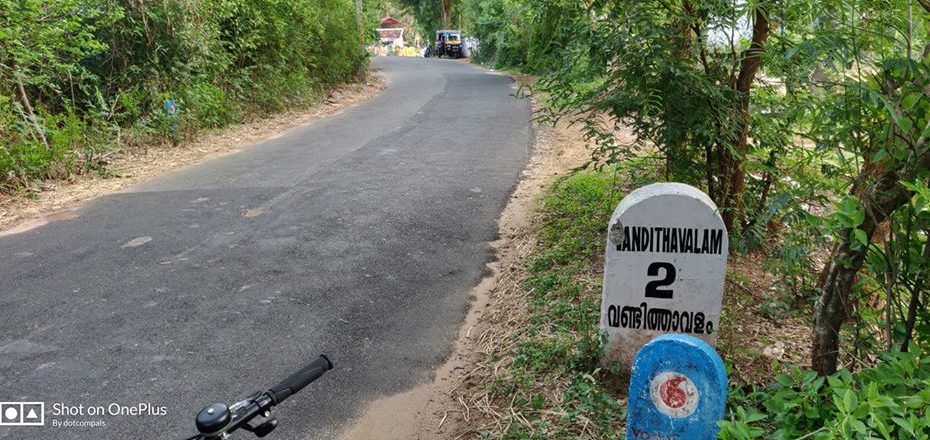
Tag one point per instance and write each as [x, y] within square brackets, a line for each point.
[358, 235]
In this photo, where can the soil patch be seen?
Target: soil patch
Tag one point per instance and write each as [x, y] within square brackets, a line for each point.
[758, 348]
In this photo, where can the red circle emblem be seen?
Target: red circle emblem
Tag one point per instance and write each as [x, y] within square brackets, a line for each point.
[674, 394]
[671, 394]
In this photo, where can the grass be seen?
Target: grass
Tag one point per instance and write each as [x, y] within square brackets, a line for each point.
[555, 384]
[545, 378]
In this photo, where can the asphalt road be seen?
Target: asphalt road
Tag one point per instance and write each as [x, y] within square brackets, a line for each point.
[359, 236]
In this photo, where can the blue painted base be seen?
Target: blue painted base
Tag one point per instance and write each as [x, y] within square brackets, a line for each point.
[678, 390]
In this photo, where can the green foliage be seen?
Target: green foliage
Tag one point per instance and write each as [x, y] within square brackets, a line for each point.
[433, 15]
[797, 155]
[529, 35]
[792, 263]
[494, 25]
[824, 147]
[97, 72]
[897, 274]
[888, 401]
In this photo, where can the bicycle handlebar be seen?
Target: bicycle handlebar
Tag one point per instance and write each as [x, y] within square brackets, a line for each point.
[299, 379]
[218, 420]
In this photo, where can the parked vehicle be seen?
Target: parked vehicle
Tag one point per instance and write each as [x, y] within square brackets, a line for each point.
[449, 43]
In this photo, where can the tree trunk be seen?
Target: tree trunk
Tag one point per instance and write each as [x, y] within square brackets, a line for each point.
[920, 283]
[681, 49]
[445, 10]
[681, 29]
[24, 99]
[830, 310]
[884, 196]
[732, 173]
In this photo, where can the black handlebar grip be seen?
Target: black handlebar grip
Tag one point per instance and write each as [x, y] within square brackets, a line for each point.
[298, 380]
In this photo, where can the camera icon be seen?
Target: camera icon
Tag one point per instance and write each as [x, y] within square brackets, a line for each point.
[22, 414]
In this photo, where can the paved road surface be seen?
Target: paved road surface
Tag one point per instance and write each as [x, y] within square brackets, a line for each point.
[359, 236]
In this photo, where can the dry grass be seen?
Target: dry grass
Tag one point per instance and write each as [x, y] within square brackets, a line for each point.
[506, 319]
[751, 344]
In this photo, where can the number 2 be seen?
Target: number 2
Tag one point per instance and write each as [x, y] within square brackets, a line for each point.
[652, 287]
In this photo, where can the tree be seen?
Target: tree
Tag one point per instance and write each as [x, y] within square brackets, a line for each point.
[892, 130]
[677, 74]
[732, 173]
[42, 43]
[775, 108]
[78, 77]
[434, 14]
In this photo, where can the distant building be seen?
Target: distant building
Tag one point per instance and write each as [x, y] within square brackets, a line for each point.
[393, 38]
[388, 22]
[391, 33]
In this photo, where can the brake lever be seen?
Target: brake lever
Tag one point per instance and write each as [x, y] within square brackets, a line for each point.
[264, 428]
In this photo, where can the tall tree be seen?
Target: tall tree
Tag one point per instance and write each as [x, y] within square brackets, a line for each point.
[896, 121]
[732, 172]
[434, 14]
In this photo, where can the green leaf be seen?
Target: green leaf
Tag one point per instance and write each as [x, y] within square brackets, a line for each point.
[879, 425]
[880, 155]
[784, 380]
[850, 400]
[861, 237]
[859, 427]
[910, 100]
[904, 423]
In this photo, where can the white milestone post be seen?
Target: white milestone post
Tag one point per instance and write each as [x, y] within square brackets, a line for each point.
[666, 257]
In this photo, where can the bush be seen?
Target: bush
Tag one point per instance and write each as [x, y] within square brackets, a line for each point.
[93, 69]
[888, 401]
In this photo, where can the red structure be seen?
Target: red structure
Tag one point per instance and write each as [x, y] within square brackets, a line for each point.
[388, 22]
